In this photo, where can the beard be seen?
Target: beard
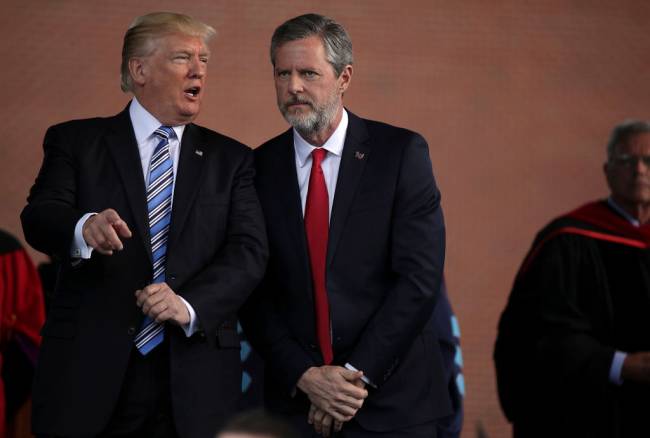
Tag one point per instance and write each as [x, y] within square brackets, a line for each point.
[313, 121]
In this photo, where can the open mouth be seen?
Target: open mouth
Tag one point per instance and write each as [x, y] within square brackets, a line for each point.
[192, 91]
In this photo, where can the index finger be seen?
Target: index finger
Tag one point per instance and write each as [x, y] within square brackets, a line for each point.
[112, 238]
[116, 222]
[352, 390]
[152, 288]
[121, 228]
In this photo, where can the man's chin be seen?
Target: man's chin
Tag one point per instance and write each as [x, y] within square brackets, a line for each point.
[300, 123]
[188, 115]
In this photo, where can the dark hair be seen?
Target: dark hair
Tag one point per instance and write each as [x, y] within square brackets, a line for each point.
[623, 132]
[337, 43]
[258, 422]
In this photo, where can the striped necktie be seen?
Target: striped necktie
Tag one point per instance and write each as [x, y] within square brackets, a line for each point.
[159, 206]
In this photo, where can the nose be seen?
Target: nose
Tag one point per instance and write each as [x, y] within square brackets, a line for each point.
[198, 68]
[295, 84]
[640, 165]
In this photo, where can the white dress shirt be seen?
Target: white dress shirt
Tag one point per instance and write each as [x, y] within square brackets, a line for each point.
[144, 126]
[330, 165]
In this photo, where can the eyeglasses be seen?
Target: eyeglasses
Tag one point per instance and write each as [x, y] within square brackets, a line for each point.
[630, 160]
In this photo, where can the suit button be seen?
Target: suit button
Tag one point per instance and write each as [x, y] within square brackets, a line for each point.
[131, 330]
[313, 347]
[172, 277]
[201, 334]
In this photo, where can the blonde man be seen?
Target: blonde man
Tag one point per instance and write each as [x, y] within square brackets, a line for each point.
[160, 237]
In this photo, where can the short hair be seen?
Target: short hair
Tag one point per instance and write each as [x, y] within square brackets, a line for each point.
[623, 132]
[144, 30]
[337, 43]
[258, 422]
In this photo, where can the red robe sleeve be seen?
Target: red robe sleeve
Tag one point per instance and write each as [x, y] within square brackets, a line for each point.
[22, 309]
[21, 298]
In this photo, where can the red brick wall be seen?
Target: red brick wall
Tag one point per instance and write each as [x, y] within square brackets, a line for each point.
[516, 99]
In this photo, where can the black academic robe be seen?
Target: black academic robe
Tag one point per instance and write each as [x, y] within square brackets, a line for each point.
[582, 293]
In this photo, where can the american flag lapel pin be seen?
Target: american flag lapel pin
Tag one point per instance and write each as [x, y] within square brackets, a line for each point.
[359, 155]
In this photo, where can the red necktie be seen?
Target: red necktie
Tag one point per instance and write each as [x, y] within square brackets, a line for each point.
[317, 228]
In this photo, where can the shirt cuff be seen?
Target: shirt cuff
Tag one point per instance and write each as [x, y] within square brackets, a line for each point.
[366, 380]
[79, 248]
[617, 366]
[190, 327]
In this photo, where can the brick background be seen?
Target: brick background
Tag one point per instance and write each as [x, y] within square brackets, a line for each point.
[516, 99]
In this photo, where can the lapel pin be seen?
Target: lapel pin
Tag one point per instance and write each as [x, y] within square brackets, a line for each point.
[198, 152]
[359, 155]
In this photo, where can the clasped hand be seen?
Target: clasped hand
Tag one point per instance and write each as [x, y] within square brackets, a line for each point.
[336, 394]
[160, 302]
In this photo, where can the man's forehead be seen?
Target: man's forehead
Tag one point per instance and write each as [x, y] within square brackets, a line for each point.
[302, 54]
[183, 42]
[311, 46]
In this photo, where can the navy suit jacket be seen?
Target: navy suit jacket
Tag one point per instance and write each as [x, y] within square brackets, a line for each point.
[384, 268]
[216, 255]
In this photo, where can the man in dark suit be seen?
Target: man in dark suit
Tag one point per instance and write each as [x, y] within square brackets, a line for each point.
[343, 317]
[161, 238]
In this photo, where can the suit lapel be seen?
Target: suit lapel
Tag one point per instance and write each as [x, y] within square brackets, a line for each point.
[189, 173]
[353, 161]
[124, 150]
[288, 179]
[288, 184]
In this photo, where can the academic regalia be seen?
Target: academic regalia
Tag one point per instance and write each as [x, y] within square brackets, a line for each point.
[582, 293]
[22, 314]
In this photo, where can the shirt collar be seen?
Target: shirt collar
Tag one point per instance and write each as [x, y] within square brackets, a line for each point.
[144, 123]
[618, 209]
[333, 145]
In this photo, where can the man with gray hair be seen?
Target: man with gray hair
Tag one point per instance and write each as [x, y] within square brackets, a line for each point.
[160, 238]
[343, 317]
[573, 355]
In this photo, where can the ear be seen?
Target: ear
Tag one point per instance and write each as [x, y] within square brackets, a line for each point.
[138, 69]
[607, 170]
[345, 78]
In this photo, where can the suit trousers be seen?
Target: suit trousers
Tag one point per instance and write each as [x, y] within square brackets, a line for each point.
[144, 405]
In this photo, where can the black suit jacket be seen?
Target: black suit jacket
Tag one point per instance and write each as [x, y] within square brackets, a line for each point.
[216, 255]
[384, 266]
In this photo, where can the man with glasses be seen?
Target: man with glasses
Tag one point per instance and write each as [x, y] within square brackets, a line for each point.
[573, 351]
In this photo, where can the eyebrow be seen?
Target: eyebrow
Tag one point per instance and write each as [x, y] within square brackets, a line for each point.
[191, 52]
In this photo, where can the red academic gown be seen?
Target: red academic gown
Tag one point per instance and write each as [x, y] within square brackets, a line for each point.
[22, 311]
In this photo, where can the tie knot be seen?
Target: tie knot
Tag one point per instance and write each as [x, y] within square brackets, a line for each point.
[318, 155]
[164, 132]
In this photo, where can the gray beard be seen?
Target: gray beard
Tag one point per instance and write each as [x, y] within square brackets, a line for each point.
[313, 122]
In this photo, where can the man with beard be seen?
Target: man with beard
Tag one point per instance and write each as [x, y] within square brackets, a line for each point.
[343, 317]
[573, 352]
[160, 238]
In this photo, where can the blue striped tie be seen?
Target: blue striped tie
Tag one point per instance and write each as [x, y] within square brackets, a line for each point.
[159, 205]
